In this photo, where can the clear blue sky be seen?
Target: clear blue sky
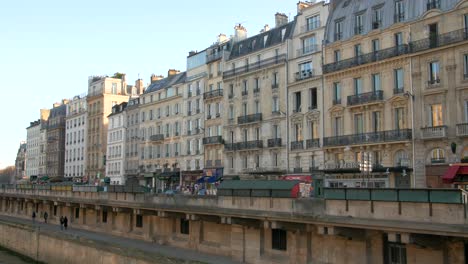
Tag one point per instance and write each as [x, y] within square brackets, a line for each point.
[49, 48]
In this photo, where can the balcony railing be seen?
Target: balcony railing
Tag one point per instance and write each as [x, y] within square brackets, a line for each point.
[358, 30]
[439, 40]
[365, 98]
[213, 57]
[308, 49]
[338, 36]
[376, 24]
[366, 58]
[274, 142]
[433, 4]
[297, 145]
[275, 85]
[310, 26]
[462, 129]
[433, 82]
[255, 66]
[249, 118]
[434, 132]
[336, 101]
[367, 138]
[399, 17]
[213, 140]
[313, 143]
[158, 137]
[254, 144]
[398, 90]
[302, 75]
[213, 94]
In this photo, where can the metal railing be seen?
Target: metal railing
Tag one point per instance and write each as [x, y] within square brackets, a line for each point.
[462, 129]
[302, 75]
[398, 90]
[434, 132]
[157, 137]
[308, 49]
[274, 142]
[433, 4]
[249, 118]
[365, 98]
[297, 145]
[372, 137]
[213, 94]
[213, 140]
[336, 101]
[255, 66]
[313, 143]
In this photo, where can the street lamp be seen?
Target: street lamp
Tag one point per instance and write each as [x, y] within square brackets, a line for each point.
[365, 165]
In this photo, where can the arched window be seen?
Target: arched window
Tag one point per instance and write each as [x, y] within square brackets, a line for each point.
[438, 156]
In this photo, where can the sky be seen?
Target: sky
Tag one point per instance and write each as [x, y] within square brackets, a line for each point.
[49, 48]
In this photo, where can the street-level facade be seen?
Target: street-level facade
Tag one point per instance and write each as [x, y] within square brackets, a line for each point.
[75, 138]
[115, 158]
[33, 137]
[255, 121]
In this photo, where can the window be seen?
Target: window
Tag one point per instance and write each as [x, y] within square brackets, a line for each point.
[309, 45]
[313, 129]
[466, 111]
[139, 220]
[376, 82]
[357, 86]
[399, 82]
[438, 156]
[297, 102]
[338, 30]
[337, 126]
[435, 117]
[434, 75]
[305, 67]
[184, 226]
[245, 87]
[256, 83]
[465, 66]
[358, 24]
[396, 253]
[245, 135]
[358, 124]
[337, 55]
[77, 212]
[313, 22]
[399, 11]
[357, 50]
[275, 104]
[298, 132]
[114, 88]
[312, 98]
[400, 118]
[377, 18]
[433, 4]
[336, 93]
[278, 239]
[276, 131]
[257, 107]
[275, 79]
[375, 45]
[244, 109]
[398, 39]
[104, 216]
[376, 121]
[231, 112]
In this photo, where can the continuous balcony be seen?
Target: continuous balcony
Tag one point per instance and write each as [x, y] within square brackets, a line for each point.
[462, 130]
[212, 140]
[249, 118]
[365, 98]
[369, 138]
[302, 75]
[246, 145]
[213, 94]
[255, 66]
[313, 143]
[297, 145]
[274, 142]
[156, 138]
[434, 132]
[214, 57]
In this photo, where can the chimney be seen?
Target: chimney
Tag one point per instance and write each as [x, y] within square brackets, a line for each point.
[171, 72]
[56, 105]
[265, 28]
[139, 85]
[301, 5]
[280, 19]
[222, 38]
[192, 52]
[240, 33]
[155, 78]
[65, 101]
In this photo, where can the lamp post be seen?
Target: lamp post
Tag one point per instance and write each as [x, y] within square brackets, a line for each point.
[365, 165]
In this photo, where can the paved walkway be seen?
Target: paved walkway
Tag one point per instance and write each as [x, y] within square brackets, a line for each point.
[168, 251]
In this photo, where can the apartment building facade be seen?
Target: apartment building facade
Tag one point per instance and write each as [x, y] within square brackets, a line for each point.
[75, 138]
[305, 90]
[115, 157]
[103, 93]
[132, 143]
[20, 163]
[255, 121]
[33, 137]
[55, 134]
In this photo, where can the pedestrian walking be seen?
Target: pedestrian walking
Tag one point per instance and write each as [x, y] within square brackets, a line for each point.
[65, 222]
[61, 222]
[34, 217]
[45, 217]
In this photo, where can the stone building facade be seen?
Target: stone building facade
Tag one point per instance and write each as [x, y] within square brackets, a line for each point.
[55, 151]
[75, 138]
[115, 157]
[33, 136]
[20, 163]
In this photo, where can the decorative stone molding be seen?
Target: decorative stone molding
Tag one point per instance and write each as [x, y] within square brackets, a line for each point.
[313, 116]
[451, 67]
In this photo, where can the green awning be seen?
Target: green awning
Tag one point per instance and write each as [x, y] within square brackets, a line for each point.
[148, 175]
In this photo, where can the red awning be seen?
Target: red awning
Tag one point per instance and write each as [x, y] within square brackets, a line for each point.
[302, 178]
[450, 174]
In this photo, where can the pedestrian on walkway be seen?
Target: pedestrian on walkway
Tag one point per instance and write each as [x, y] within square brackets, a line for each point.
[65, 222]
[61, 222]
[34, 217]
[45, 217]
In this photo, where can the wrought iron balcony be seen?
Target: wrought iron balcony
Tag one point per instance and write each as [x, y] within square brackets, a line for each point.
[433, 4]
[230, 146]
[336, 101]
[275, 85]
[462, 129]
[297, 170]
[255, 66]
[434, 132]
[302, 75]
[338, 36]
[308, 49]
[365, 98]
[157, 137]
[246, 145]
[256, 91]
[433, 82]
[245, 93]
[358, 30]
[367, 138]
[274, 142]
[310, 26]
[376, 24]
[313, 143]
[213, 140]
[297, 145]
[249, 118]
[399, 17]
[213, 57]
[398, 90]
[439, 40]
[213, 94]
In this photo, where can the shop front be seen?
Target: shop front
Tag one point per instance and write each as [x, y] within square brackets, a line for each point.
[210, 180]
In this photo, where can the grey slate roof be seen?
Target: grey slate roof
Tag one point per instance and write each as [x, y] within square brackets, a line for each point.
[166, 82]
[256, 42]
[346, 9]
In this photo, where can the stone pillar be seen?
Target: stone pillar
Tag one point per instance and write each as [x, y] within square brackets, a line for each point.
[82, 220]
[238, 243]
